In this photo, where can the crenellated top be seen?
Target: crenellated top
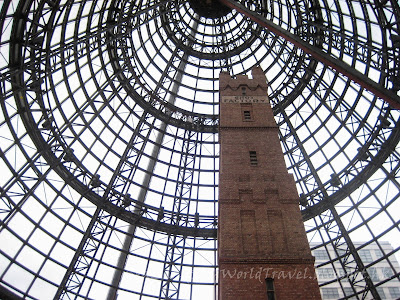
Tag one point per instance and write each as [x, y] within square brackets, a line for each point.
[258, 81]
[244, 101]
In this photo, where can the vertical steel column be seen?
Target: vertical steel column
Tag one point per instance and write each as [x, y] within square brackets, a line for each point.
[112, 293]
[176, 244]
[360, 265]
[72, 280]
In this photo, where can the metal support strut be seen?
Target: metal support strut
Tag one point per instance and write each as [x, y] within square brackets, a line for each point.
[340, 66]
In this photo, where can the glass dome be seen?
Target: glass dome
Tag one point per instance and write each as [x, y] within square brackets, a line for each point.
[109, 139]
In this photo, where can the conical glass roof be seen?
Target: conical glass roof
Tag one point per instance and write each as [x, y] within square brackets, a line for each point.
[109, 139]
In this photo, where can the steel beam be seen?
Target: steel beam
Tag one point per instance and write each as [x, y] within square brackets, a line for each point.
[112, 293]
[360, 265]
[340, 66]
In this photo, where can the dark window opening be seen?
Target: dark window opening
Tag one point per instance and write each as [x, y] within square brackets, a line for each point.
[247, 112]
[270, 288]
[253, 158]
[243, 91]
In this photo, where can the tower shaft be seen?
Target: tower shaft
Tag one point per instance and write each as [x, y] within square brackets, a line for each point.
[263, 248]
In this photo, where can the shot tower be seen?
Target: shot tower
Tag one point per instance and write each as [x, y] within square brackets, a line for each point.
[263, 248]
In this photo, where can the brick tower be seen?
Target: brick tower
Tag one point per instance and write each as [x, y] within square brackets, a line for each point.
[262, 246]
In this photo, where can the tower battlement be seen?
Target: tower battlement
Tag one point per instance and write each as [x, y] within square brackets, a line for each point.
[257, 82]
[251, 94]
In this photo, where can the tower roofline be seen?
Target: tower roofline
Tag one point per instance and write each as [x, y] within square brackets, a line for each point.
[258, 80]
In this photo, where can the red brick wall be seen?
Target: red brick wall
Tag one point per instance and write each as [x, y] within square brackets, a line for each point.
[247, 281]
[260, 225]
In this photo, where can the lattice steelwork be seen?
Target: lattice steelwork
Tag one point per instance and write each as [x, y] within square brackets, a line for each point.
[109, 138]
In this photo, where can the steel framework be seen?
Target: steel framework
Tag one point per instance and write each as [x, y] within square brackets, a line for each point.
[109, 138]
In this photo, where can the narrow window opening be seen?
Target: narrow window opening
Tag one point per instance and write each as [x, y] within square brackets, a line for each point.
[247, 112]
[243, 91]
[246, 115]
[270, 289]
[253, 158]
